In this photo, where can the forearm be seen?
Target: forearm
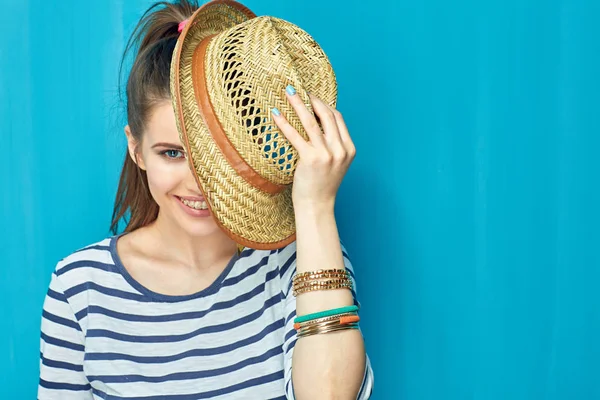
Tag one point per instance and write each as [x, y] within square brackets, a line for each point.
[327, 365]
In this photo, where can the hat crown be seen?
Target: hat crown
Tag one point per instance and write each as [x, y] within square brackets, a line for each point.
[229, 70]
[247, 68]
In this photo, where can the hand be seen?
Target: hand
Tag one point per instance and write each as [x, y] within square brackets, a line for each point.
[324, 159]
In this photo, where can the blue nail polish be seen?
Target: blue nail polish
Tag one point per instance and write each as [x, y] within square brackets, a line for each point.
[290, 89]
[276, 112]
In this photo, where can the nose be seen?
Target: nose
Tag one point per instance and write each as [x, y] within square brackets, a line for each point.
[190, 183]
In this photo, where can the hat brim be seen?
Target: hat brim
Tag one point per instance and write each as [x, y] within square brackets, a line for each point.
[251, 217]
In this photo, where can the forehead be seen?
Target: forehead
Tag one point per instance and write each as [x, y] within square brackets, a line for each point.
[161, 126]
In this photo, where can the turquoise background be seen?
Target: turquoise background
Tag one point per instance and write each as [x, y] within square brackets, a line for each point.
[471, 211]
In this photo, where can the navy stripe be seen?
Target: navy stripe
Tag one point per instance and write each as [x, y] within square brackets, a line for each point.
[177, 338]
[86, 264]
[246, 253]
[94, 247]
[119, 293]
[84, 312]
[206, 395]
[279, 398]
[362, 385]
[191, 353]
[57, 296]
[61, 320]
[248, 272]
[61, 364]
[289, 317]
[180, 316]
[64, 386]
[82, 287]
[287, 264]
[290, 334]
[61, 343]
[291, 345]
[179, 376]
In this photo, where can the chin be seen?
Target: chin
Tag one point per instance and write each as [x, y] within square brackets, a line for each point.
[197, 227]
[201, 228]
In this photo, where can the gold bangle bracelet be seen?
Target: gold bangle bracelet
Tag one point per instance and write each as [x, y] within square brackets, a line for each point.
[322, 287]
[316, 288]
[315, 282]
[321, 271]
[325, 326]
[321, 326]
[327, 330]
[321, 276]
[321, 283]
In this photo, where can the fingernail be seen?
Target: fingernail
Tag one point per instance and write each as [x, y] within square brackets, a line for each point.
[276, 112]
[290, 89]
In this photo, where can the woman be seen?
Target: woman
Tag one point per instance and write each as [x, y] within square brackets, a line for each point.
[171, 309]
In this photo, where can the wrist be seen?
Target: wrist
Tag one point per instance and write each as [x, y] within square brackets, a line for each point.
[314, 208]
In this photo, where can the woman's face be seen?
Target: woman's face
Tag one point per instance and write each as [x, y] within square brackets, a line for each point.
[170, 180]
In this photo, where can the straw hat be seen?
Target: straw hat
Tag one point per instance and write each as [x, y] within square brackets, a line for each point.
[229, 69]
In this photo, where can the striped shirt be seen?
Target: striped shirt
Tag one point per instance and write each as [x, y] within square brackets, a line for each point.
[105, 336]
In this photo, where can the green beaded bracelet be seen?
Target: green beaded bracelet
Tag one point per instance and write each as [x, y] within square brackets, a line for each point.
[324, 314]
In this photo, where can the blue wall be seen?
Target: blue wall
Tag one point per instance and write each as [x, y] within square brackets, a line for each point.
[471, 211]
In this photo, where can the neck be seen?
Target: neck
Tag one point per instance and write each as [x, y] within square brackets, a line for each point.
[200, 252]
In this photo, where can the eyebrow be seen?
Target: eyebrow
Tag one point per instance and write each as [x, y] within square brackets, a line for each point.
[169, 145]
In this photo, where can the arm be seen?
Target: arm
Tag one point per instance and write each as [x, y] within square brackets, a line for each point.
[332, 365]
[61, 350]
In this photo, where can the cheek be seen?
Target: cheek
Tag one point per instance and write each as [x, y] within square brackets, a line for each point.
[164, 177]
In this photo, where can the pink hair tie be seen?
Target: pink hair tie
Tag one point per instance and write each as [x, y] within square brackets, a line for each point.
[182, 25]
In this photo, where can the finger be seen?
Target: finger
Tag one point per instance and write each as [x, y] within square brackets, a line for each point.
[288, 130]
[330, 127]
[308, 120]
[343, 130]
[327, 117]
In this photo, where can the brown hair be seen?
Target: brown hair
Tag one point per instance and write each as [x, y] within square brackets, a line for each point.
[154, 38]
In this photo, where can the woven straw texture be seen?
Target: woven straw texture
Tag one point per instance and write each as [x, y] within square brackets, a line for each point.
[248, 64]
[247, 67]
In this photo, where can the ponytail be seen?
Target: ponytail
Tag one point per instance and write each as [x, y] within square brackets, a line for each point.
[154, 39]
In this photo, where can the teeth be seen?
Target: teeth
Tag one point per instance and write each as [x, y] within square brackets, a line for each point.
[197, 205]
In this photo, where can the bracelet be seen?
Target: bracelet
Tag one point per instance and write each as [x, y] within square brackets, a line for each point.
[336, 317]
[350, 321]
[320, 274]
[327, 330]
[327, 313]
[322, 286]
[320, 271]
[312, 280]
[328, 282]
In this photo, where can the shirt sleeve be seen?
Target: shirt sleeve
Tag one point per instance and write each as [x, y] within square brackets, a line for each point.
[61, 349]
[287, 257]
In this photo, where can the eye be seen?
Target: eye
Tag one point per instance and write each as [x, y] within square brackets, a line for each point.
[173, 154]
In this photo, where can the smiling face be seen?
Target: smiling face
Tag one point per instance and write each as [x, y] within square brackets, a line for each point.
[170, 179]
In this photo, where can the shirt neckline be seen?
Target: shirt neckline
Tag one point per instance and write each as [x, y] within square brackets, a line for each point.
[211, 289]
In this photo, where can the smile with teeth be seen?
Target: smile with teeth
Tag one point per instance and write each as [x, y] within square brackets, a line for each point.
[196, 205]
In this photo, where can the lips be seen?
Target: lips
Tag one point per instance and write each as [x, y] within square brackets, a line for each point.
[195, 203]
[191, 198]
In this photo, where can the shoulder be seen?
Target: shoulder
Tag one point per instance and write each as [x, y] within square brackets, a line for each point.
[78, 265]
